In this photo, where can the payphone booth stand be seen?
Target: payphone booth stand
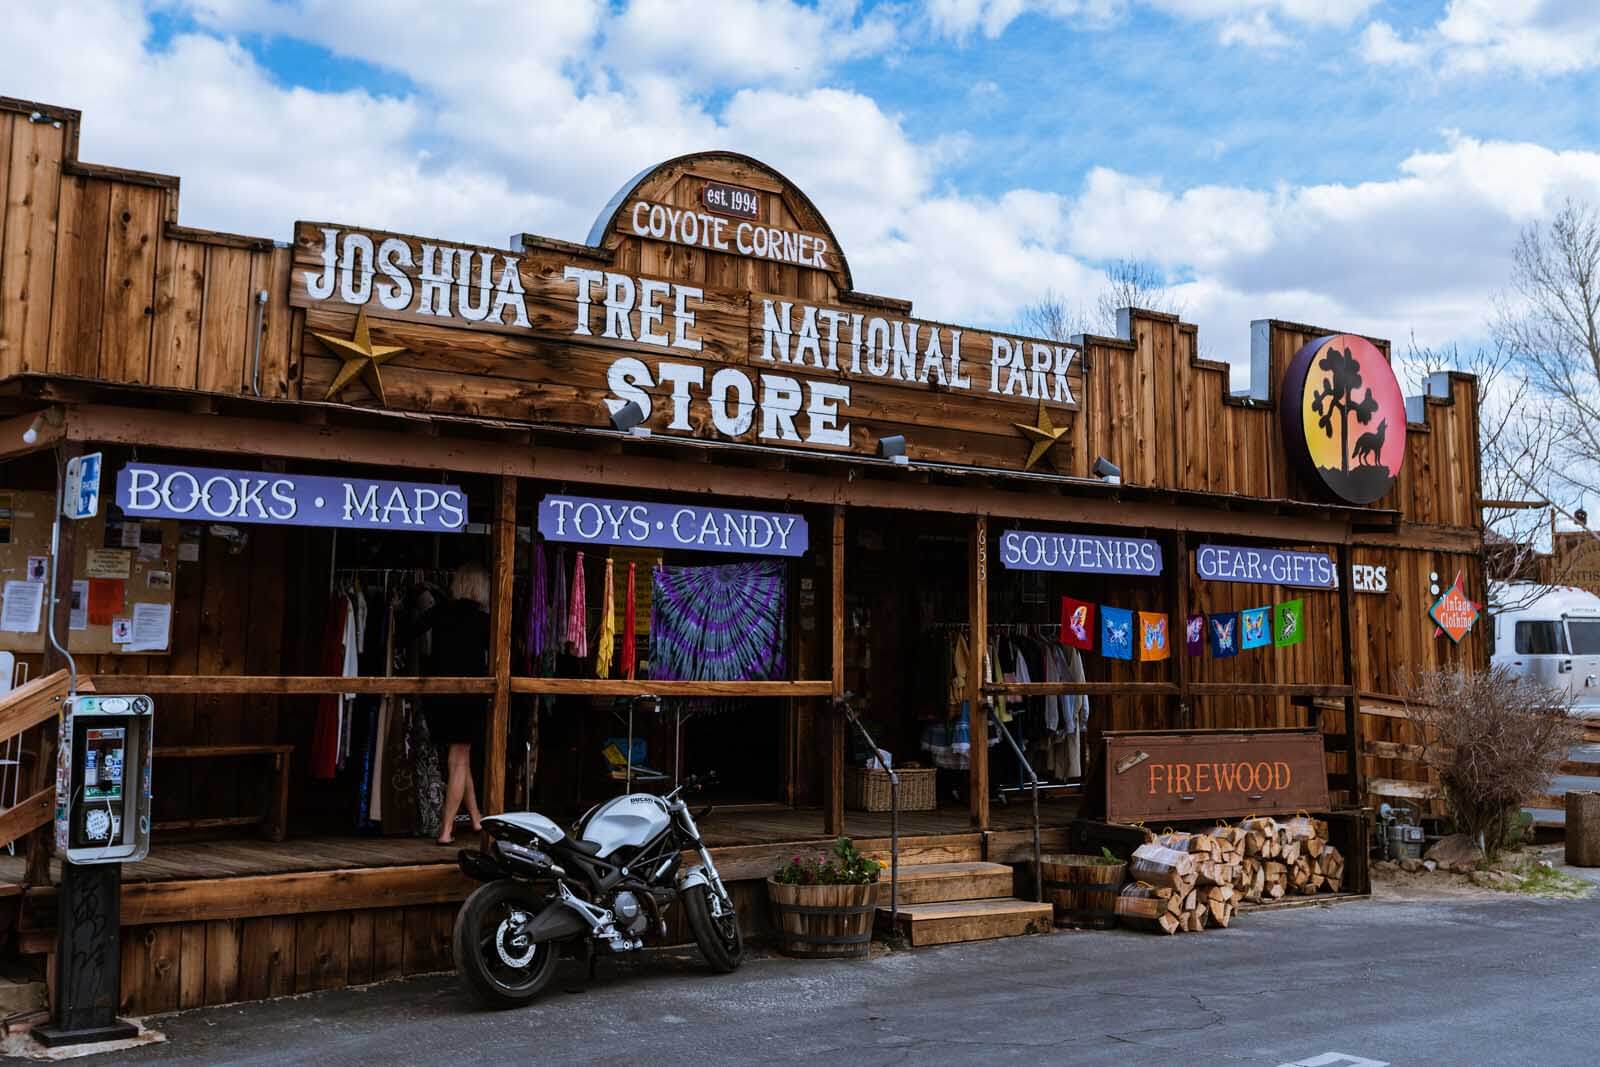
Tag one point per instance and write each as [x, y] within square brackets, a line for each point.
[102, 822]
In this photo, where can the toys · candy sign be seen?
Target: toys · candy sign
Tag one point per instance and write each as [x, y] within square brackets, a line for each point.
[1344, 417]
[637, 524]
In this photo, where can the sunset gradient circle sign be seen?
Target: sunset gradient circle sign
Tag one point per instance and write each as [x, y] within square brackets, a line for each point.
[1344, 417]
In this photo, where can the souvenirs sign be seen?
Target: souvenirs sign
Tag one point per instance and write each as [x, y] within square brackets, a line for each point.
[1344, 418]
[205, 494]
[640, 524]
[1159, 775]
[1039, 550]
[1265, 566]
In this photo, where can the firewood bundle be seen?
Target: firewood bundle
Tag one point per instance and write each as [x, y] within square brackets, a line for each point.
[1282, 858]
[1179, 882]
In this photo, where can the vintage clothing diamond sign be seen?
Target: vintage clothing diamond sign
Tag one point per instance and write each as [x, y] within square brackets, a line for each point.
[1455, 612]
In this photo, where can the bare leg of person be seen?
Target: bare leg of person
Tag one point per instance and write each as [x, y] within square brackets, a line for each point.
[454, 788]
[471, 797]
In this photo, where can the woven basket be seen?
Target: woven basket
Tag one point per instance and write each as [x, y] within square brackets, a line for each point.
[868, 789]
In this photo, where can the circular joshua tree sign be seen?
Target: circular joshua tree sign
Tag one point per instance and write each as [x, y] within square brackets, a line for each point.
[1344, 417]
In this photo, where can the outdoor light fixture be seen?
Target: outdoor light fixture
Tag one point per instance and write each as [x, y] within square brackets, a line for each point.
[893, 448]
[628, 417]
[31, 434]
[1107, 471]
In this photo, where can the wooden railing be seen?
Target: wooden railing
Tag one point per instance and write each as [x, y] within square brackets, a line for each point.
[22, 709]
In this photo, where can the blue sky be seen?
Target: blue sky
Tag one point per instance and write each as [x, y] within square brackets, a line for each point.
[1360, 164]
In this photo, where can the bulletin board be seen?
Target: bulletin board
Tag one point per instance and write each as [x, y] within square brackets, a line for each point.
[123, 579]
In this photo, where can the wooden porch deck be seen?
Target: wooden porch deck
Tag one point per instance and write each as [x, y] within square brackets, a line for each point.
[734, 828]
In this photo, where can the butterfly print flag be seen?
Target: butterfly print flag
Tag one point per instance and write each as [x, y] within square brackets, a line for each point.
[1153, 635]
[1116, 633]
[1289, 623]
[1224, 631]
[1077, 623]
[1255, 628]
[1194, 635]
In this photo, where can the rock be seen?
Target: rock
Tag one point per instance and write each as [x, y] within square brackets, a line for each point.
[1492, 879]
[1464, 868]
[1386, 865]
[1411, 866]
[1430, 866]
[1454, 850]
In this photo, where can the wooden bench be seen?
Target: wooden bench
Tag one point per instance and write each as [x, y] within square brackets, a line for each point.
[275, 823]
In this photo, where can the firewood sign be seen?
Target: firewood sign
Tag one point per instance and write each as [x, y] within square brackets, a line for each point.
[1158, 775]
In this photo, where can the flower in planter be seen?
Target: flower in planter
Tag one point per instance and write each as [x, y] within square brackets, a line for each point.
[844, 866]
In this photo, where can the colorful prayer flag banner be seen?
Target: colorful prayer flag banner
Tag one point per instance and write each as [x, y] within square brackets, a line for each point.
[1077, 623]
[1152, 636]
[1289, 623]
[1254, 628]
[1224, 631]
[1194, 635]
[1116, 633]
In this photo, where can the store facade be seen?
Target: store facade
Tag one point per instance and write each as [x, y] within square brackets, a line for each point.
[817, 498]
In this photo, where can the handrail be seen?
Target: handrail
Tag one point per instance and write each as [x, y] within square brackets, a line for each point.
[32, 703]
[1033, 782]
[894, 815]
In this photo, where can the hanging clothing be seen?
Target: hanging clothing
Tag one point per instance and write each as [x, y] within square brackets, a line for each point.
[606, 642]
[578, 611]
[720, 623]
[629, 624]
[558, 602]
[533, 639]
[325, 736]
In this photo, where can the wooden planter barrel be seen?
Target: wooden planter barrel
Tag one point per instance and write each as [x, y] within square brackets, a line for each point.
[1083, 889]
[823, 921]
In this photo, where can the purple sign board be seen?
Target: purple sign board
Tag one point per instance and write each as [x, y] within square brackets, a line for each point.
[205, 494]
[1265, 566]
[637, 524]
[1035, 550]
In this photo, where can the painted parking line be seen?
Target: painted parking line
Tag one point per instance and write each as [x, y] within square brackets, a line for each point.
[1336, 1059]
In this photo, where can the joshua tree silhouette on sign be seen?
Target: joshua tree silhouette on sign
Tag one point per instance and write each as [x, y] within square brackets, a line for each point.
[1337, 394]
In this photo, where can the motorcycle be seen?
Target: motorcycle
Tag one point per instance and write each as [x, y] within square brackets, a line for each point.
[605, 885]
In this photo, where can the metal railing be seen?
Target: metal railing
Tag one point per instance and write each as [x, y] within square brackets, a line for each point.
[1033, 788]
[843, 705]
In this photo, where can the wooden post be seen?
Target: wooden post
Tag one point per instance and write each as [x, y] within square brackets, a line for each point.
[1352, 700]
[833, 801]
[505, 554]
[978, 638]
[41, 842]
[1178, 630]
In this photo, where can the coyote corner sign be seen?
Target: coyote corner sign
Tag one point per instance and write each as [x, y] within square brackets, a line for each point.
[1344, 418]
[1156, 775]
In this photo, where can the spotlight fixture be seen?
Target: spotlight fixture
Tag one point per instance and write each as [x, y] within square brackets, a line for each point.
[628, 417]
[31, 434]
[893, 448]
[1107, 471]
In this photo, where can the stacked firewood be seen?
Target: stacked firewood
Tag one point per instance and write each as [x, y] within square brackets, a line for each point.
[1279, 858]
[1189, 881]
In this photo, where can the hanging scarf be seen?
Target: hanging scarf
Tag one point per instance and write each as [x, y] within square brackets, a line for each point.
[558, 603]
[606, 643]
[629, 623]
[533, 638]
[578, 611]
[723, 623]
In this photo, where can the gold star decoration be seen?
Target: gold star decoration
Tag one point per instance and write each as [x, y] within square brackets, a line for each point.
[361, 357]
[1044, 436]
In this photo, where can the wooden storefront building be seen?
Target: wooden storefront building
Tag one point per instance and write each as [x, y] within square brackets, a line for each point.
[713, 307]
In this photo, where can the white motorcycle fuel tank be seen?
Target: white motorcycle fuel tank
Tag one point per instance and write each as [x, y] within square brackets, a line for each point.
[626, 821]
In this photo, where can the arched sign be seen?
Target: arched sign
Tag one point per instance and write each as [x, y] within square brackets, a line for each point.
[1344, 417]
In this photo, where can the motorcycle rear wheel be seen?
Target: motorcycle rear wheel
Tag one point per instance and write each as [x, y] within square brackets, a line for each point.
[498, 970]
[720, 940]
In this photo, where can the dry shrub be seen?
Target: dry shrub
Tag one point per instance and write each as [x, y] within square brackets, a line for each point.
[1494, 739]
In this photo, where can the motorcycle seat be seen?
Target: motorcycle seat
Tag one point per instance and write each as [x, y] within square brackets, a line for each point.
[588, 848]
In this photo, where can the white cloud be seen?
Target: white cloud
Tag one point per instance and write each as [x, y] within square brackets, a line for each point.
[1474, 37]
[1255, 23]
[1257, 31]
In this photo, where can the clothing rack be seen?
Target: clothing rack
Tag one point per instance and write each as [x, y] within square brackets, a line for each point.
[1000, 627]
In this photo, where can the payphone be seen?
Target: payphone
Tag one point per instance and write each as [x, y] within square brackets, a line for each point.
[103, 779]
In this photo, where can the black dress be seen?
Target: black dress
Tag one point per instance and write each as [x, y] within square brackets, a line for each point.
[460, 631]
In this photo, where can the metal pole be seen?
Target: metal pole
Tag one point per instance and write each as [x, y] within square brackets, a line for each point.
[894, 820]
[1033, 781]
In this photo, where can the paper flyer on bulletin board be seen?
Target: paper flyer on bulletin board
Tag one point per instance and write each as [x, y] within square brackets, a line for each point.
[121, 595]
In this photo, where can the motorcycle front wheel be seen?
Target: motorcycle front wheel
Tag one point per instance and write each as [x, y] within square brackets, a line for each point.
[501, 968]
[719, 938]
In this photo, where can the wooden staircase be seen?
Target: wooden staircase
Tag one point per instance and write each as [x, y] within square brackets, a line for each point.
[942, 903]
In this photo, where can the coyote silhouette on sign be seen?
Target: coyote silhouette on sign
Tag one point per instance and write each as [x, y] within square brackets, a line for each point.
[1340, 401]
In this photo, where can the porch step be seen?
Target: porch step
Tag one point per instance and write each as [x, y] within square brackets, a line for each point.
[949, 921]
[930, 883]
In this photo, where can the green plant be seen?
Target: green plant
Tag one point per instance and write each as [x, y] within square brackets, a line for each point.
[1108, 855]
[842, 866]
